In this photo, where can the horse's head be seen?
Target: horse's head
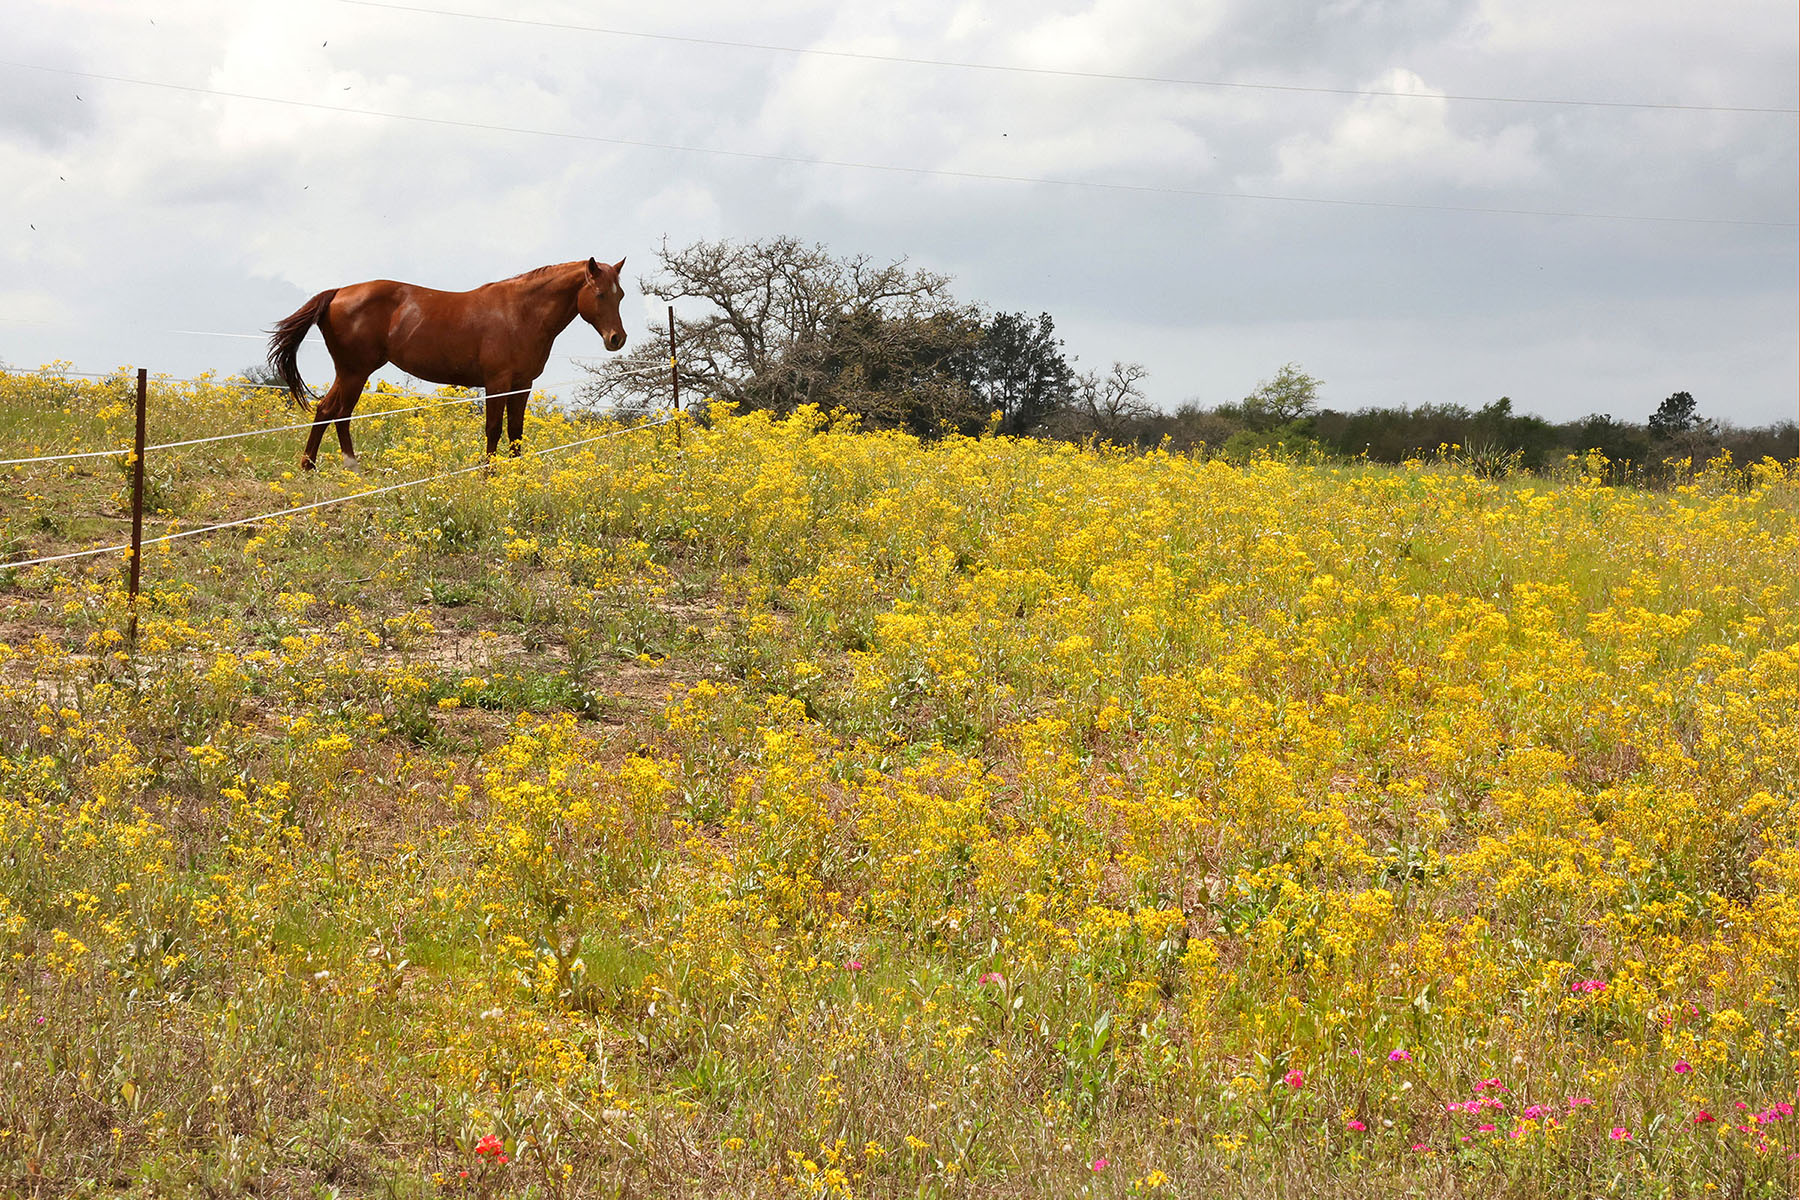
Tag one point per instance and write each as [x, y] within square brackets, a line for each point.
[598, 302]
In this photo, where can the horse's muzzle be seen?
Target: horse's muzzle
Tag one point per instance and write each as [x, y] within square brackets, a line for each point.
[615, 341]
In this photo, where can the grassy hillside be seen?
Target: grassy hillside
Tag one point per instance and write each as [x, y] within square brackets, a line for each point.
[811, 813]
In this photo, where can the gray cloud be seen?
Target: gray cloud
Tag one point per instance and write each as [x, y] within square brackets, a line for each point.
[179, 211]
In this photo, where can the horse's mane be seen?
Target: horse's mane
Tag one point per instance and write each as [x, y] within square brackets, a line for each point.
[538, 272]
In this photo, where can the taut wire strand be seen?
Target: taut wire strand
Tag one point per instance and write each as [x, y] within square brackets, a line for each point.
[288, 512]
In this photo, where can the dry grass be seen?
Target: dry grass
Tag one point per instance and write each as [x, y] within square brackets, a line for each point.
[819, 814]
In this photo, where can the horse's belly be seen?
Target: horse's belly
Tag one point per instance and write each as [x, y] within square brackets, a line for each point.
[435, 352]
[438, 371]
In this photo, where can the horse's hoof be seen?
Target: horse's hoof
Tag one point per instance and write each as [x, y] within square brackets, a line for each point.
[350, 462]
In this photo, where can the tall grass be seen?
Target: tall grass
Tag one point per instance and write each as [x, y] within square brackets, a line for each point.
[814, 812]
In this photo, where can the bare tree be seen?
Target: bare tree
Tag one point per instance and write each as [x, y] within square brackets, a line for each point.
[1110, 407]
[779, 324]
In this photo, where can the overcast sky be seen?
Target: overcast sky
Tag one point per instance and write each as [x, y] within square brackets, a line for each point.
[132, 213]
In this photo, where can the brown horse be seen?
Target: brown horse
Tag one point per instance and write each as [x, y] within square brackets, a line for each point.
[496, 337]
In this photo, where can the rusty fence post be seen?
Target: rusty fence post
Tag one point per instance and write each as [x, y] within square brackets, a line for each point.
[674, 378]
[137, 508]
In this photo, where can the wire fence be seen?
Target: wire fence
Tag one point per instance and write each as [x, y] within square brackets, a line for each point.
[308, 424]
[135, 455]
[295, 510]
[134, 549]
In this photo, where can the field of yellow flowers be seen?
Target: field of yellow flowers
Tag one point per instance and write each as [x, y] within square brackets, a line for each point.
[807, 812]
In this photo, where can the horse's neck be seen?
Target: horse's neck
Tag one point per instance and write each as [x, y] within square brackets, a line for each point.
[551, 298]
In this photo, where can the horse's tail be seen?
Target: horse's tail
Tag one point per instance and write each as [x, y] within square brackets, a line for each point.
[285, 339]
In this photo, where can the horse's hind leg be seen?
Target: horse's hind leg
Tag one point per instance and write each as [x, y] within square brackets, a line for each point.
[353, 388]
[309, 457]
[333, 406]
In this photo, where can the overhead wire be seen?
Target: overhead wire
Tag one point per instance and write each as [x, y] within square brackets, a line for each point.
[1060, 72]
[891, 168]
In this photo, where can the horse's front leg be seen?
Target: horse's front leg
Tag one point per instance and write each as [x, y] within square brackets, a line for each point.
[515, 414]
[496, 416]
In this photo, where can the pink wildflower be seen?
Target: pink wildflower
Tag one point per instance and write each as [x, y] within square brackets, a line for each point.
[1704, 1118]
[1683, 1066]
[1495, 1084]
[1535, 1112]
[1484, 1129]
[992, 977]
[1588, 985]
[1295, 1078]
[855, 964]
[1099, 1164]
[1354, 1126]
[1579, 1101]
[1620, 1134]
[1399, 1056]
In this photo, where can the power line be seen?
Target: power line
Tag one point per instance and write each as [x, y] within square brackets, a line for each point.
[1055, 71]
[931, 172]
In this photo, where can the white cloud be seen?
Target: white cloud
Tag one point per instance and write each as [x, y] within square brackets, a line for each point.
[1380, 141]
[159, 210]
[33, 306]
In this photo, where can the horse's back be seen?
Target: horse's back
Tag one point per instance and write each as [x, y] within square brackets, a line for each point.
[421, 330]
[495, 334]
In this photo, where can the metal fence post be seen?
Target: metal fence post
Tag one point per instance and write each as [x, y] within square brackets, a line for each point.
[674, 378]
[137, 507]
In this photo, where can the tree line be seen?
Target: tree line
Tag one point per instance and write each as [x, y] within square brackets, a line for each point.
[777, 324]
[1283, 416]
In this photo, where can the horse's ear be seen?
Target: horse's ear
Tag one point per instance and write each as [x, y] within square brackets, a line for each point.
[593, 268]
[619, 267]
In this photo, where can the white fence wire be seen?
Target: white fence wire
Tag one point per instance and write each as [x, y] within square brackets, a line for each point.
[288, 512]
[225, 437]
